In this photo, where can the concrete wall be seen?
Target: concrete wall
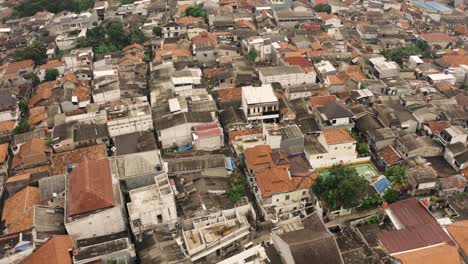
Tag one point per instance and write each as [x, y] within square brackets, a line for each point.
[97, 224]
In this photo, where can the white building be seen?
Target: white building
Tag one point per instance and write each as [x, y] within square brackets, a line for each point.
[441, 77]
[208, 137]
[385, 69]
[129, 118]
[217, 234]
[325, 68]
[261, 45]
[176, 130]
[333, 146]
[151, 206]
[93, 200]
[260, 103]
[185, 80]
[286, 75]
[452, 135]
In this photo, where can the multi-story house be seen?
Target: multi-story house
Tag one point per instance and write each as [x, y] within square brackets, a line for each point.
[286, 75]
[260, 103]
[261, 45]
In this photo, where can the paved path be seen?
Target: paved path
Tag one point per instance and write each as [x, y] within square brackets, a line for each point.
[342, 219]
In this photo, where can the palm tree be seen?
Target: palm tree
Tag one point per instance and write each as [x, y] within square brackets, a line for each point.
[398, 175]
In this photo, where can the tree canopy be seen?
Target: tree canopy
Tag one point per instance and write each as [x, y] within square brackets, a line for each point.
[390, 196]
[157, 31]
[36, 52]
[343, 187]
[51, 74]
[398, 175]
[251, 55]
[22, 127]
[398, 55]
[31, 7]
[196, 11]
[110, 38]
[322, 8]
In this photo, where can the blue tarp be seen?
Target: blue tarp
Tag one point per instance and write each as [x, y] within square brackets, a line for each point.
[229, 164]
[381, 185]
[184, 148]
[24, 246]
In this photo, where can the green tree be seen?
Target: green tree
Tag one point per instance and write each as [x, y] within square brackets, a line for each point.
[157, 31]
[363, 149]
[44, 32]
[33, 77]
[251, 55]
[137, 36]
[23, 106]
[371, 201]
[117, 34]
[58, 53]
[398, 175]
[343, 187]
[390, 196]
[196, 11]
[49, 141]
[51, 74]
[22, 127]
[235, 193]
[322, 8]
[36, 52]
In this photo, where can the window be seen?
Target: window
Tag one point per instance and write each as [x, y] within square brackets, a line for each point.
[334, 121]
[349, 147]
[287, 196]
[303, 192]
[277, 200]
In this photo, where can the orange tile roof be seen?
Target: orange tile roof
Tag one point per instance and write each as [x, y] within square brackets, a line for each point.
[82, 91]
[321, 100]
[133, 46]
[33, 148]
[52, 64]
[437, 37]
[336, 79]
[229, 94]
[389, 155]
[455, 60]
[242, 23]
[175, 53]
[437, 126]
[55, 251]
[337, 136]
[7, 126]
[3, 152]
[459, 232]
[18, 65]
[37, 110]
[188, 20]
[182, 8]
[445, 86]
[34, 120]
[238, 133]
[258, 157]
[90, 187]
[69, 77]
[19, 177]
[59, 161]
[18, 211]
[278, 180]
[432, 255]
[43, 91]
[461, 29]
[205, 37]
[130, 58]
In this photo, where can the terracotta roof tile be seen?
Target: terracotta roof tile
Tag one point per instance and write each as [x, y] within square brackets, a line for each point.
[16, 66]
[7, 126]
[389, 155]
[316, 101]
[70, 77]
[455, 60]
[461, 29]
[301, 61]
[133, 46]
[37, 110]
[278, 180]
[258, 157]
[242, 23]
[337, 136]
[55, 251]
[19, 177]
[437, 37]
[90, 187]
[33, 150]
[52, 64]
[239, 133]
[43, 92]
[74, 157]
[434, 255]
[37, 119]
[188, 20]
[18, 210]
[82, 91]
[3, 152]
[459, 232]
[437, 126]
